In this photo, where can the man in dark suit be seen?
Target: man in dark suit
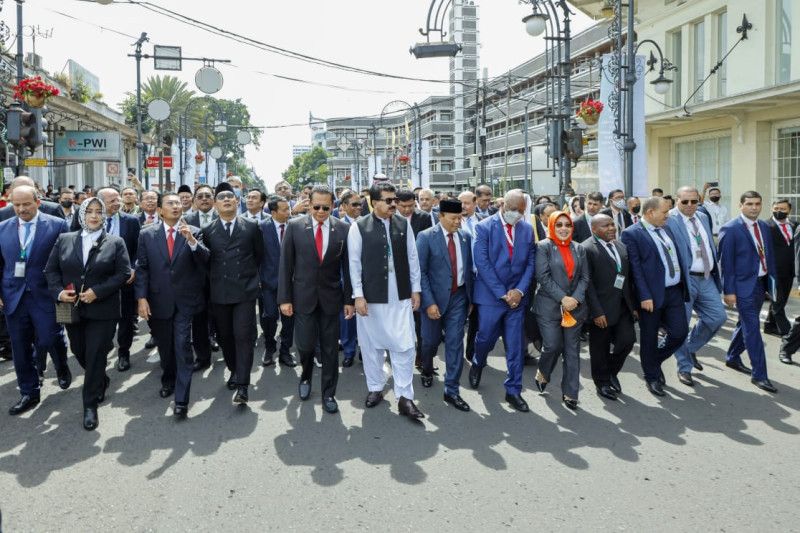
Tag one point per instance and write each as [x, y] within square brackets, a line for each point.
[45, 206]
[611, 306]
[126, 227]
[202, 214]
[617, 210]
[695, 241]
[25, 244]
[313, 286]
[66, 202]
[747, 260]
[781, 232]
[791, 341]
[255, 201]
[582, 226]
[149, 206]
[237, 248]
[273, 231]
[484, 207]
[469, 220]
[446, 277]
[350, 211]
[170, 268]
[661, 281]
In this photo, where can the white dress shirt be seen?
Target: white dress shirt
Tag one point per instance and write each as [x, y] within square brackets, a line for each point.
[257, 216]
[88, 240]
[459, 259]
[697, 259]
[175, 236]
[785, 228]
[663, 241]
[750, 223]
[231, 227]
[21, 228]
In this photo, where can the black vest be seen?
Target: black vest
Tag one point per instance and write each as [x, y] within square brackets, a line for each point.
[375, 258]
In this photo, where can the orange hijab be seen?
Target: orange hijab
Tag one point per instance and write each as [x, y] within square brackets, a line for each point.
[563, 246]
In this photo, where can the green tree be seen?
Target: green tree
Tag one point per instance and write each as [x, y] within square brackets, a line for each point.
[176, 93]
[310, 167]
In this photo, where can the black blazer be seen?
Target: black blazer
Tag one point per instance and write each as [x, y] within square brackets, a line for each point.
[50, 208]
[234, 262]
[626, 217]
[129, 228]
[302, 280]
[193, 218]
[581, 230]
[420, 221]
[784, 253]
[170, 284]
[105, 272]
[603, 298]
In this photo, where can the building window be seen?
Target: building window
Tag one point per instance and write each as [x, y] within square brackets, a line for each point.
[784, 40]
[700, 160]
[787, 178]
[722, 49]
[447, 166]
[676, 38]
[446, 115]
[699, 59]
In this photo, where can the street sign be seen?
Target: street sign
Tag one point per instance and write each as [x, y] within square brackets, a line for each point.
[112, 170]
[152, 162]
[35, 162]
[166, 57]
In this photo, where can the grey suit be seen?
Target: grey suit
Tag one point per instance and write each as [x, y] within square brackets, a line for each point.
[554, 284]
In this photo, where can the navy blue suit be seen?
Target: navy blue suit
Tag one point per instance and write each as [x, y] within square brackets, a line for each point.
[268, 301]
[739, 260]
[669, 303]
[348, 334]
[27, 303]
[174, 289]
[496, 275]
[436, 280]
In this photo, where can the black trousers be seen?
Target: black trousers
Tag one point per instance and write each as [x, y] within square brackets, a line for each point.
[318, 329]
[236, 333]
[531, 326]
[776, 317]
[605, 361]
[791, 341]
[173, 337]
[200, 336]
[269, 325]
[90, 340]
[418, 333]
[129, 318]
[472, 330]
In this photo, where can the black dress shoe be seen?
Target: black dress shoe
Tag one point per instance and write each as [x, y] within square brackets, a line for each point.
[457, 402]
[268, 359]
[772, 331]
[304, 389]
[686, 379]
[330, 405]
[738, 366]
[427, 381]
[41, 379]
[696, 364]
[607, 392]
[656, 388]
[407, 408]
[123, 363]
[166, 392]
[180, 411]
[241, 395]
[5, 353]
[90, 421]
[661, 377]
[102, 397]
[347, 362]
[214, 345]
[516, 401]
[65, 379]
[571, 403]
[26, 402]
[200, 366]
[785, 358]
[374, 398]
[615, 384]
[150, 344]
[764, 384]
[530, 360]
[232, 383]
[287, 360]
[475, 376]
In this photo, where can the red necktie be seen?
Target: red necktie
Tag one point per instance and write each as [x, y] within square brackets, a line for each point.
[510, 241]
[282, 228]
[318, 238]
[451, 248]
[170, 242]
[761, 255]
[786, 234]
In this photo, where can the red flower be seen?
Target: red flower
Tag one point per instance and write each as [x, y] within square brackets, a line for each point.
[34, 86]
[590, 107]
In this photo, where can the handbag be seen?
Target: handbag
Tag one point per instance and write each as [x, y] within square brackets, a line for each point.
[67, 313]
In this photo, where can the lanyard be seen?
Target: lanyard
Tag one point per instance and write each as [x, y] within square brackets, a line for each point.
[615, 255]
[505, 233]
[667, 247]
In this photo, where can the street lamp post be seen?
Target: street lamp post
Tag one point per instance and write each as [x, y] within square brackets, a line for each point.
[417, 132]
[139, 144]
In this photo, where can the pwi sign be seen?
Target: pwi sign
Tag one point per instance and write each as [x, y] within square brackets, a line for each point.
[88, 146]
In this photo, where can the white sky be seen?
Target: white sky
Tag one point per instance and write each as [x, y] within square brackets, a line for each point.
[371, 34]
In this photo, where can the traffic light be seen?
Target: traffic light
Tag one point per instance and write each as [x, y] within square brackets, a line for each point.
[26, 128]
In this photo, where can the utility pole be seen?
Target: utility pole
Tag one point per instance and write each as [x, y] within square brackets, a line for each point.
[20, 75]
[139, 144]
[483, 136]
[508, 125]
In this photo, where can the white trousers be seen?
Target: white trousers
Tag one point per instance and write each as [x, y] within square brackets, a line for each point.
[402, 370]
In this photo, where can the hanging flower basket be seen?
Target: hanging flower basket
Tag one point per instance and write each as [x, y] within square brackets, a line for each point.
[403, 159]
[589, 111]
[34, 91]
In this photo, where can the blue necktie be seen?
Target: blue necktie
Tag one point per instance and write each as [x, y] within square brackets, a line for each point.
[108, 224]
[25, 239]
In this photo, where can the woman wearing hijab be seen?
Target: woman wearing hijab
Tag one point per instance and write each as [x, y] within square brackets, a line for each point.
[88, 268]
[563, 276]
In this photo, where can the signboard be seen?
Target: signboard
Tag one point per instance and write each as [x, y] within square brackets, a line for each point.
[88, 146]
[112, 170]
[166, 57]
[152, 162]
[35, 162]
[79, 73]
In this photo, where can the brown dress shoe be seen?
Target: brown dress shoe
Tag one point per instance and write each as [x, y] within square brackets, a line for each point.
[407, 408]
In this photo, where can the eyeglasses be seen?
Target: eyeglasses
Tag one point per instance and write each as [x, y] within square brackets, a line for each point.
[687, 202]
[563, 225]
[323, 207]
[204, 196]
[355, 204]
[226, 196]
[389, 201]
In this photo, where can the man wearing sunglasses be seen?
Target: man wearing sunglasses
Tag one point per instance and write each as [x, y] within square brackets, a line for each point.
[350, 211]
[384, 271]
[313, 286]
[236, 248]
[695, 241]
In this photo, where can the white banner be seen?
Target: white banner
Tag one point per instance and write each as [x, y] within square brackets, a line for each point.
[371, 171]
[610, 159]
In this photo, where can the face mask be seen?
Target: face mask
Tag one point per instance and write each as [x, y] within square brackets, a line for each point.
[619, 204]
[714, 199]
[780, 215]
[511, 217]
[237, 192]
[66, 203]
[635, 209]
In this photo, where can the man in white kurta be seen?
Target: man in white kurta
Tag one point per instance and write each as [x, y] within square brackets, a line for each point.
[385, 323]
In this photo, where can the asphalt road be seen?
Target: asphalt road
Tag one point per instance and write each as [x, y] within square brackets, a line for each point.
[721, 456]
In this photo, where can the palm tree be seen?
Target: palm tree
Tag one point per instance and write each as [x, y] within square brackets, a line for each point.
[176, 93]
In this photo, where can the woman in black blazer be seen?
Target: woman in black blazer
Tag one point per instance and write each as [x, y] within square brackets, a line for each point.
[88, 268]
[563, 276]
